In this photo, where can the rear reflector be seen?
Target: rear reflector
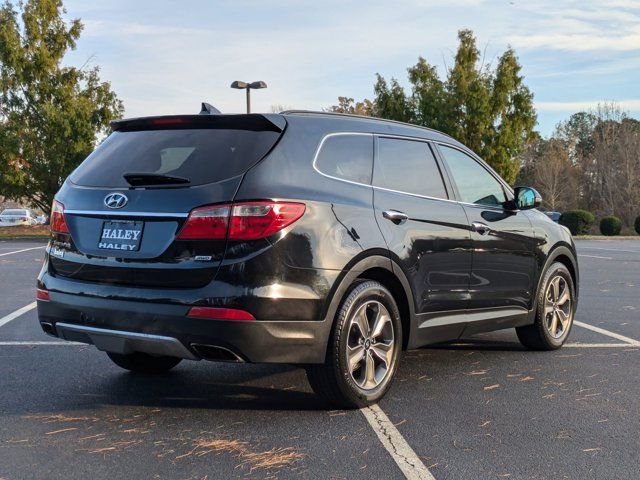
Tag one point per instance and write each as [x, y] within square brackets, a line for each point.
[240, 221]
[218, 313]
[57, 222]
[42, 295]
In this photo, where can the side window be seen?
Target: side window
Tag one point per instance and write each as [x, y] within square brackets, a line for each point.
[475, 184]
[349, 157]
[408, 166]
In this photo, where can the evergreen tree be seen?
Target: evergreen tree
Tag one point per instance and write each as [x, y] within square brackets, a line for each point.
[51, 116]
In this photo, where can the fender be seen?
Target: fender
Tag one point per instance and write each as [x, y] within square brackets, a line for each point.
[558, 250]
[363, 262]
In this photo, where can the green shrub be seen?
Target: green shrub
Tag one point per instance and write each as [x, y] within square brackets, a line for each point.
[610, 226]
[577, 221]
[637, 225]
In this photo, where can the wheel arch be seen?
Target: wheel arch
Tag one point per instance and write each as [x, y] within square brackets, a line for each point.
[381, 268]
[567, 256]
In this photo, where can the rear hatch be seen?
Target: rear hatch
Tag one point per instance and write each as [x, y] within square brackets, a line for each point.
[125, 205]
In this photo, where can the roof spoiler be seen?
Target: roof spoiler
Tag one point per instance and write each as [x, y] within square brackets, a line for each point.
[253, 122]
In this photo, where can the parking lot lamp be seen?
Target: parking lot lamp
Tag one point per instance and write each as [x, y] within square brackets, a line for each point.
[247, 87]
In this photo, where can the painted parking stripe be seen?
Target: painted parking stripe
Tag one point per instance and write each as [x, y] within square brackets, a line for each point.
[23, 250]
[404, 456]
[600, 345]
[21, 311]
[580, 247]
[617, 336]
[38, 344]
[594, 256]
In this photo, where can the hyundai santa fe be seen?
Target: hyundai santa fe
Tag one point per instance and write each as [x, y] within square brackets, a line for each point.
[328, 241]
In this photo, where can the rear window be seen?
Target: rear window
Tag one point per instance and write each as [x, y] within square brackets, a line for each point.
[199, 155]
[349, 157]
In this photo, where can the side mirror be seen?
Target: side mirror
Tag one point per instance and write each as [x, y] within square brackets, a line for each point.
[526, 198]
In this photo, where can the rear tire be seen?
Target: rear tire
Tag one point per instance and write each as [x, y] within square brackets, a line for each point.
[363, 351]
[555, 309]
[144, 363]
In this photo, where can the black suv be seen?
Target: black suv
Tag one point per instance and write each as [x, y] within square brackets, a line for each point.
[327, 241]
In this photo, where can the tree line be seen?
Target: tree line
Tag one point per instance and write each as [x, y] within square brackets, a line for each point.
[591, 161]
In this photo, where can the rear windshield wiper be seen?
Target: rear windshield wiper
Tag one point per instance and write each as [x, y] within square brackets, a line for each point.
[142, 179]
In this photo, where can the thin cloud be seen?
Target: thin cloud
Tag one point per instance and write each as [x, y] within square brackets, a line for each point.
[586, 105]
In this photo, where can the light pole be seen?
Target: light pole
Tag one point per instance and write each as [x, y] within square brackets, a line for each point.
[248, 86]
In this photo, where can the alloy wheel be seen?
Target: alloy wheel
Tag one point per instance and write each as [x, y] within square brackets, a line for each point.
[557, 307]
[370, 345]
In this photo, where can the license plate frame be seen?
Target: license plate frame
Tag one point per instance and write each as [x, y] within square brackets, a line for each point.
[120, 235]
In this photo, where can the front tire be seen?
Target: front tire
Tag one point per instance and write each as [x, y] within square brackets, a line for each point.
[144, 363]
[364, 348]
[555, 309]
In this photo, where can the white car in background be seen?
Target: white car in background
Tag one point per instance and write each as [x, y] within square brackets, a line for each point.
[17, 216]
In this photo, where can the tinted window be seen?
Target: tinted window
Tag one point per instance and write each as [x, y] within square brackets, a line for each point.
[475, 184]
[200, 155]
[408, 166]
[349, 157]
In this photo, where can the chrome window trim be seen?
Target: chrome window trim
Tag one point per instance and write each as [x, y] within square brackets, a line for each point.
[418, 139]
[127, 214]
[374, 187]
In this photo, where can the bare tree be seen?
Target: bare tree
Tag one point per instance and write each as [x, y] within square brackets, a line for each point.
[547, 165]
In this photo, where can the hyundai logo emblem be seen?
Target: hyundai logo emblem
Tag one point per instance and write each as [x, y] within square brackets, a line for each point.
[115, 200]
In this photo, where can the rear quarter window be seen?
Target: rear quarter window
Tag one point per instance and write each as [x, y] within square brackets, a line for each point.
[408, 166]
[348, 157]
[199, 155]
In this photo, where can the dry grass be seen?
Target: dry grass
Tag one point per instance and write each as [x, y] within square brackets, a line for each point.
[36, 231]
[60, 418]
[269, 459]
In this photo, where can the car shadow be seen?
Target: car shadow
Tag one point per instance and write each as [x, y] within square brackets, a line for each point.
[192, 389]
[478, 344]
[201, 385]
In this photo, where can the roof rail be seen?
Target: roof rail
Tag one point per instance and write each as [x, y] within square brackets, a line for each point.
[362, 117]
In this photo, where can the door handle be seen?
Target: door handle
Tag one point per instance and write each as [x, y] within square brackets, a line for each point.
[480, 228]
[395, 216]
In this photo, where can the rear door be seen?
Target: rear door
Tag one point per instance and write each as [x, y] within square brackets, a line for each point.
[427, 234]
[125, 204]
[503, 244]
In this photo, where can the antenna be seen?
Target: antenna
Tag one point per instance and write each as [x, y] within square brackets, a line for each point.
[208, 109]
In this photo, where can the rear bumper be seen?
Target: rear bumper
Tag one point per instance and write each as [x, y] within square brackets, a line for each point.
[164, 329]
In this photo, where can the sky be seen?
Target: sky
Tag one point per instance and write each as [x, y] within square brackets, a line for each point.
[165, 57]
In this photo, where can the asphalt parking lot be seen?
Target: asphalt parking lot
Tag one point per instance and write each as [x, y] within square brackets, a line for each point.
[482, 407]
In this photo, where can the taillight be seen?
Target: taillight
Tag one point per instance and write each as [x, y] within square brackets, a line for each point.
[57, 222]
[250, 221]
[206, 223]
[240, 221]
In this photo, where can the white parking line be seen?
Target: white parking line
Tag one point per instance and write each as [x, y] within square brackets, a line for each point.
[21, 311]
[35, 344]
[580, 247]
[404, 456]
[23, 250]
[629, 341]
[600, 345]
[594, 256]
